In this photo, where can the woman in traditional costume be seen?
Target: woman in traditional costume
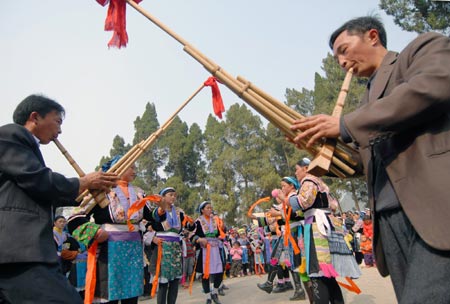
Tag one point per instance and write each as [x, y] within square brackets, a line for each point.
[294, 235]
[207, 230]
[320, 237]
[166, 259]
[274, 223]
[119, 260]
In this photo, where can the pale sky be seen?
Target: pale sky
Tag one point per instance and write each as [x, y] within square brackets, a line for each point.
[59, 49]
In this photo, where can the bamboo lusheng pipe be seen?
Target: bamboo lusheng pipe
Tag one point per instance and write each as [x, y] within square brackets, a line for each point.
[271, 111]
[135, 152]
[284, 117]
[322, 162]
[342, 150]
[101, 198]
[290, 115]
[69, 158]
[241, 91]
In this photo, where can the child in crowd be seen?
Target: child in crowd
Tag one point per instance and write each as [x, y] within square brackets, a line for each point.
[366, 249]
[188, 250]
[236, 260]
[257, 247]
[367, 226]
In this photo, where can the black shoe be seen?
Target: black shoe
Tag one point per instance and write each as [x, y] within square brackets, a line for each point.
[298, 295]
[266, 286]
[208, 301]
[281, 287]
[288, 285]
[143, 298]
[215, 298]
[221, 292]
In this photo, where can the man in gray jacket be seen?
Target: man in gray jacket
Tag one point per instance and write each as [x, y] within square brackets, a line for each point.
[29, 269]
[402, 131]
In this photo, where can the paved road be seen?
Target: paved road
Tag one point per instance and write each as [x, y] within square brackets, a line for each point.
[374, 290]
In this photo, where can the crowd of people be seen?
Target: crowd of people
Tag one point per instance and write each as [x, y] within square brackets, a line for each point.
[206, 247]
[142, 245]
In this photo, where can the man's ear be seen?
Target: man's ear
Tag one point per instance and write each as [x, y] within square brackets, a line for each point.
[34, 116]
[373, 36]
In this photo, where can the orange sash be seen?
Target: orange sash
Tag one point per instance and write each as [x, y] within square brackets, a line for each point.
[207, 261]
[91, 277]
[287, 233]
[138, 205]
[158, 269]
[351, 286]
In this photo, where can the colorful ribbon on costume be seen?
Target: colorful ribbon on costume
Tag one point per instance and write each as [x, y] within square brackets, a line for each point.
[158, 268]
[192, 278]
[351, 286]
[218, 106]
[288, 238]
[207, 261]
[219, 222]
[187, 219]
[138, 205]
[91, 277]
[261, 200]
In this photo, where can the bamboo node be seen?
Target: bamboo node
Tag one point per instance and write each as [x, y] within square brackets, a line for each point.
[244, 89]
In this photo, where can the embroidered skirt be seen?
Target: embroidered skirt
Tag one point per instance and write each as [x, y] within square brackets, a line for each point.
[120, 267]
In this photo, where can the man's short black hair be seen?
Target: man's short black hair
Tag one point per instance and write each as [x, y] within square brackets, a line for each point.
[35, 103]
[359, 26]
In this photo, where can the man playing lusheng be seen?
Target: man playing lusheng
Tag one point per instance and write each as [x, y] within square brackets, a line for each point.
[29, 268]
[402, 131]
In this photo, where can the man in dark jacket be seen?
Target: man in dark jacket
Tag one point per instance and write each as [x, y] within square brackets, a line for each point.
[29, 269]
[402, 131]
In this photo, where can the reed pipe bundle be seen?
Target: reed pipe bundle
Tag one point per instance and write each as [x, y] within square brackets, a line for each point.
[341, 162]
[123, 163]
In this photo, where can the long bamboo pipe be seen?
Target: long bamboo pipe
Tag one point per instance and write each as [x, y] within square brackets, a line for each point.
[101, 197]
[338, 166]
[321, 163]
[131, 156]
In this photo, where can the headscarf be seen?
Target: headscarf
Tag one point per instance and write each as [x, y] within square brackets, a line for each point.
[166, 190]
[106, 166]
[292, 181]
[304, 162]
[202, 205]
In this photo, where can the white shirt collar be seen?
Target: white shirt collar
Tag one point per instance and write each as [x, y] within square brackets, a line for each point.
[38, 141]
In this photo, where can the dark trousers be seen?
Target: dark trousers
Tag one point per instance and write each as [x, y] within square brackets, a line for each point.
[35, 283]
[418, 272]
[326, 290]
[168, 292]
[215, 278]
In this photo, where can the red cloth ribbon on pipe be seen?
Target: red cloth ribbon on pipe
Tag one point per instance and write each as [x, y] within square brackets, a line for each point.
[217, 98]
[116, 21]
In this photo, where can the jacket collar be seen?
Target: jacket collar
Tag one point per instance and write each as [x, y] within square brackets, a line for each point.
[382, 77]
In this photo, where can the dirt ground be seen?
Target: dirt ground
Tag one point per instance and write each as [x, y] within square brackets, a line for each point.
[374, 290]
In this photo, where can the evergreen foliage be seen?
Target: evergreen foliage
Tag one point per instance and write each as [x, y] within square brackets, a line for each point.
[237, 160]
[419, 16]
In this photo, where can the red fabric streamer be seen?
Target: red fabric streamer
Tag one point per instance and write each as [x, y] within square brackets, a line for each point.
[217, 98]
[116, 21]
